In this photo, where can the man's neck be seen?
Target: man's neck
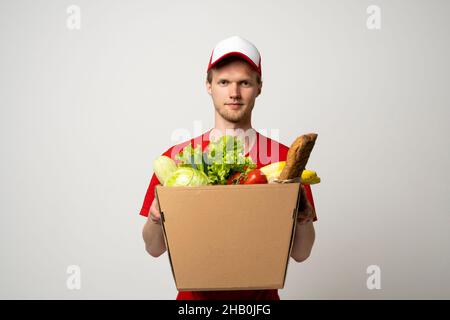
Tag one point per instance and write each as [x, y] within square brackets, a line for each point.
[227, 127]
[233, 130]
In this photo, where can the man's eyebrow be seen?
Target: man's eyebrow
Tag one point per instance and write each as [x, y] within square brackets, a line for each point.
[242, 80]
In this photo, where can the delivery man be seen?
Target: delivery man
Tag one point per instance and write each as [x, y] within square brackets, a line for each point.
[233, 81]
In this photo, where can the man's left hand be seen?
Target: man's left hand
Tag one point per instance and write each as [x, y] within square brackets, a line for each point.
[306, 211]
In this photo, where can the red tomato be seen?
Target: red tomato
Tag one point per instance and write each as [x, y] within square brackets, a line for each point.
[255, 176]
[236, 178]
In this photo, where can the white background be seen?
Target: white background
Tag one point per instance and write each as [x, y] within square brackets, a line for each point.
[85, 112]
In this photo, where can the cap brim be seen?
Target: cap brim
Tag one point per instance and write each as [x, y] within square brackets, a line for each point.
[239, 55]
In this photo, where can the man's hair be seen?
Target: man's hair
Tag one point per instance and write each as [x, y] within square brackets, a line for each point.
[224, 62]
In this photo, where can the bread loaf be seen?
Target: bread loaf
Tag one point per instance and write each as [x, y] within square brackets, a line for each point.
[298, 156]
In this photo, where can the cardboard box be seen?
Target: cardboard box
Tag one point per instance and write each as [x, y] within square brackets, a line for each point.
[233, 237]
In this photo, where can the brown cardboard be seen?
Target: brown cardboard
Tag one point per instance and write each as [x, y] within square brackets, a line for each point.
[232, 237]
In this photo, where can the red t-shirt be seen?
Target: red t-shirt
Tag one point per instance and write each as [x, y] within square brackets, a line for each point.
[263, 152]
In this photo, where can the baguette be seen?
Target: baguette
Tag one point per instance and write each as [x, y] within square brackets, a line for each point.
[298, 156]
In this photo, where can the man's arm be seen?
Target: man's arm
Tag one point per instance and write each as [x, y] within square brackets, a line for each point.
[152, 232]
[303, 241]
[304, 232]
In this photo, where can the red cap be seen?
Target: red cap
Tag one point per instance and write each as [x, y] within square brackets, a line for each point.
[238, 47]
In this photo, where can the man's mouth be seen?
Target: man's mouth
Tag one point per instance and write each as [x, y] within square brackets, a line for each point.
[234, 105]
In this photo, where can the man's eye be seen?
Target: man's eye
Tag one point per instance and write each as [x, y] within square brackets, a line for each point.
[222, 82]
[245, 83]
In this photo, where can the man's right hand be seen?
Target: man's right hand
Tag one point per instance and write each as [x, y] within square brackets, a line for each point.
[155, 214]
[152, 231]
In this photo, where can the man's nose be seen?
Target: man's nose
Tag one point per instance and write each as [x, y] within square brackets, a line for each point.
[235, 92]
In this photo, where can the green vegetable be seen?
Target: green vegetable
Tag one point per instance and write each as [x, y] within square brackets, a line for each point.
[193, 157]
[163, 167]
[223, 158]
[186, 176]
[226, 157]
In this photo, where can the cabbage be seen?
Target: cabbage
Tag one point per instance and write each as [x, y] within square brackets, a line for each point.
[186, 176]
[163, 167]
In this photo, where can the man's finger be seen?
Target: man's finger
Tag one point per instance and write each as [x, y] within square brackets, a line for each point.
[155, 199]
[303, 199]
[155, 218]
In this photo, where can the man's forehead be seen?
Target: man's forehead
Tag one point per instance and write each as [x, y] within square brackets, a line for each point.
[239, 69]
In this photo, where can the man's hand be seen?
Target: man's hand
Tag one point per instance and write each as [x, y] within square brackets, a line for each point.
[153, 233]
[306, 211]
[155, 214]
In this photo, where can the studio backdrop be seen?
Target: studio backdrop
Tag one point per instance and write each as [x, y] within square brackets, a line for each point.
[91, 92]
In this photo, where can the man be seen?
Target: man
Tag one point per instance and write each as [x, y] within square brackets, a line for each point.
[234, 82]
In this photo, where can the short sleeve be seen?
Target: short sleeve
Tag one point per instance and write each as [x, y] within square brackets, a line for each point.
[149, 196]
[310, 199]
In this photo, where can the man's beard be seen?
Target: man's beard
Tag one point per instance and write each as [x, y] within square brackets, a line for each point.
[234, 116]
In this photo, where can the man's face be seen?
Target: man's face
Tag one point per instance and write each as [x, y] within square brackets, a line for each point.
[234, 89]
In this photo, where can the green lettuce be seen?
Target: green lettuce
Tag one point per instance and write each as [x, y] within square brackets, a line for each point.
[222, 158]
[225, 157]
[193, 157]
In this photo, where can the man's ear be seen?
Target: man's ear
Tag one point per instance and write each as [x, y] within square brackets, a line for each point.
[259, 89]
[208, 87]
